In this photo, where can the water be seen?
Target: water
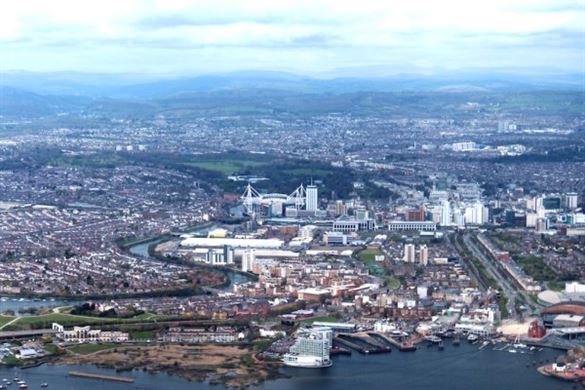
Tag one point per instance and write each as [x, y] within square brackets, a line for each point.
[455, 368]
[17, 304]
[142, 251]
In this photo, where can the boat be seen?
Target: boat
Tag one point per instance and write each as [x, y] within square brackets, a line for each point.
[512, 351]
[472, 338]
[23, 386]
[44, 384]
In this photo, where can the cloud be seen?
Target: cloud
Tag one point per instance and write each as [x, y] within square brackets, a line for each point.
[303, 35]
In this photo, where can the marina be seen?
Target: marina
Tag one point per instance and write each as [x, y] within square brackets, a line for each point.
[465, 363]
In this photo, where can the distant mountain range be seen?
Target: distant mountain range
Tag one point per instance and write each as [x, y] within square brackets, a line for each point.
[149, 86]
[37, 94]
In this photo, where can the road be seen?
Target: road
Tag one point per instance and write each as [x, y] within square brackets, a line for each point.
[512, 292]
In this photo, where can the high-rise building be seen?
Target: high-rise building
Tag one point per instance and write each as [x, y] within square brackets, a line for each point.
[248, 260]
[312, 198]
[445, 213]
[541, 225]
[423, 255]
[571, 200]
[311, 348]
[409, 253]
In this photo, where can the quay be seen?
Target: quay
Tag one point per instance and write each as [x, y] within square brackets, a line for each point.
[402, 346]
[89, 375]
[360, 344]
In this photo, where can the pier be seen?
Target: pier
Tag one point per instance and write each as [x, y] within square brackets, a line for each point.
[89, 375]
[361, 343]
[405, 346]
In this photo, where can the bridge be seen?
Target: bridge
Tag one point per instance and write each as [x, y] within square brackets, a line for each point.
[20, 334]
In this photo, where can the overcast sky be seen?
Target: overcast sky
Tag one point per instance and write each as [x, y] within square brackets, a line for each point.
[318, 37]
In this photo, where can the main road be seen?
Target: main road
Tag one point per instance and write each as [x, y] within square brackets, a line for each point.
[513, 292]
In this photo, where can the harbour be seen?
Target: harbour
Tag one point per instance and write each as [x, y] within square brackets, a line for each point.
[454, 368]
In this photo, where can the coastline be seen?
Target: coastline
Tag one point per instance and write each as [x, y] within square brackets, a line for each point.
[228, 365]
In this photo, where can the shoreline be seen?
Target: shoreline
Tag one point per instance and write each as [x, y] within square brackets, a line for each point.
[216, 364]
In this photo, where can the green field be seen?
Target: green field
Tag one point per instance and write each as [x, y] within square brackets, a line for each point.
[225, 167]
[368, 256]
[318, 172]
[5, 319]
[142, 334]
[392, 282]
[45, 321]
[85, 349]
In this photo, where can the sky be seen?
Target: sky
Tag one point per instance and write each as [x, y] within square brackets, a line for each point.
[313, 37]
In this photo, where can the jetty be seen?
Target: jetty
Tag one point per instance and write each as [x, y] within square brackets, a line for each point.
[90, 375]
[362, 344]
[406, 346]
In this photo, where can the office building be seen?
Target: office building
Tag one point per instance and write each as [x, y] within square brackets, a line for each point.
[312, 198]
[409, 252]
[248, 260]
[445, 213]
[423, 255]
[571, 200]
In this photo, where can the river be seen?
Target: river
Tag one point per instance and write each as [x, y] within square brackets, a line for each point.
[17, 304]
[142, 251]
[463, 367]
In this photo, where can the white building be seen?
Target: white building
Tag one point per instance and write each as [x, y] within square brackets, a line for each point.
[445, 213]
[409, 252]
[204, 242]
[571, 200]
[312, 198]
[574, 287]
[248, 260]
[84, 334]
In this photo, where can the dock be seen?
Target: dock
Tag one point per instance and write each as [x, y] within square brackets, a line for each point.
[362, 344]
[89, 375]
[402, 346]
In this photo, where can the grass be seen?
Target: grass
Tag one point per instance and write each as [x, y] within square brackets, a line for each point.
[142, 335]
[225, 167]
[11, 361]
[537, 268]
[307, 171]
[392, 282]
[247, 360]
[45, 321]
[261, 345]
[85, 349]
[5, 319]
[368, 256]
[51, 348]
